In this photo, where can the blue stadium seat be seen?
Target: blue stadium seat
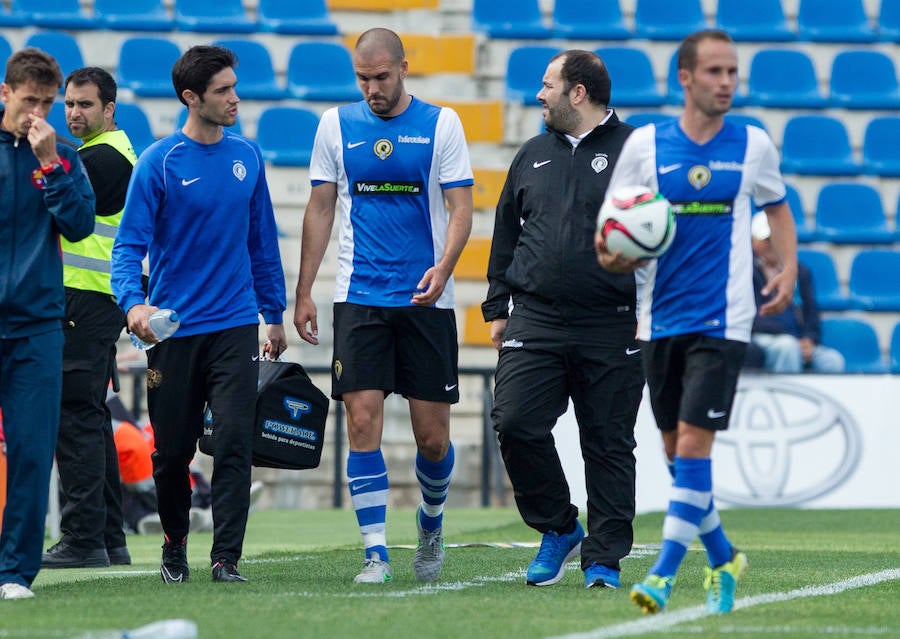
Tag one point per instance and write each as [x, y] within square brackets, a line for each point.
[805, 233]
[310, 17]
[524, 71]
[132, 119]
[889, 21]
[895, 348]
[864, 79]
[181, 118]
[145, 66]
[52, 14]
[632, 77]
[589, 20]
[213, 16]
[9, 19]
[757, 21]
[5, 51]
[784, 79]
[875, 280]
[834, 21]
[330, 79]
[641, 118]
[851, 213]
[817, 145]
[62, 46]
[286, 134]
[667, 20]
[256, 75]
[881, 147]
[857, 341]
[829, 295]
[134, 15]
[515, 19]
[57, 119]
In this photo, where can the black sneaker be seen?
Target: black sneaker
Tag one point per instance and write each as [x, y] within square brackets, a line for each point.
[174, 567]
[119, 556]
[224, 570]
[65, 555]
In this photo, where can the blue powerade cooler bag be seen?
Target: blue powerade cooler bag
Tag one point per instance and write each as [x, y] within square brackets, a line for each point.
[290, 419]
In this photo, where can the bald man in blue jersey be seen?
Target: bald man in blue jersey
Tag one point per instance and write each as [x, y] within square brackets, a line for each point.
[198, 205]
[388, 163]
[698, 305]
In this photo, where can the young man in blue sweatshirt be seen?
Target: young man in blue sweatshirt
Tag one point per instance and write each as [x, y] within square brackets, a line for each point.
[198, 205]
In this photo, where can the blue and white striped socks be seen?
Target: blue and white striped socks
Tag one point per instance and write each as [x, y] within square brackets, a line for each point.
[434, 479]
[368, 482]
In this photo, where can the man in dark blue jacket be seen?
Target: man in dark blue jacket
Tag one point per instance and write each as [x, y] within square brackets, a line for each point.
[46, 194]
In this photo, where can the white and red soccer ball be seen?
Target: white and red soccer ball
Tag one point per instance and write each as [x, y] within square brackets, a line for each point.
[636, 221]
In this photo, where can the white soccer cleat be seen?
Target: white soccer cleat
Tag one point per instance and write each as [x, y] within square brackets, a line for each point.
[374, 571]
[13, 590]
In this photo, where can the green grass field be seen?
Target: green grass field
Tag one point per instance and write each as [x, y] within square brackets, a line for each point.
[812, 574]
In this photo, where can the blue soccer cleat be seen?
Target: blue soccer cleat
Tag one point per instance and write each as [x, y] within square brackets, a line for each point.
[720, 583]
[652, 594]
[549, 565]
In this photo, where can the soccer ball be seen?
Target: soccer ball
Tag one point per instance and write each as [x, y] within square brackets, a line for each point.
[636, 221]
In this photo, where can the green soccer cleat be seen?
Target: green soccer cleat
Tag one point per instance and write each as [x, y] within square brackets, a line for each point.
[720, 583]
[652, 594]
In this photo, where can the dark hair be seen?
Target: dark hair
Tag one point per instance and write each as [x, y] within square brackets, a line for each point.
[106, 86]
[196, 67]
[687, 50]
[32, 65]
[380, 39]
[587, 69]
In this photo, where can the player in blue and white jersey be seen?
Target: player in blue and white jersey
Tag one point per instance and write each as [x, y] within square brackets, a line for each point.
[698, 305]
[388, 164]
[198, 206]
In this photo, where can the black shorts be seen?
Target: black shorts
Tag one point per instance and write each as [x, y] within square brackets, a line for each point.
[692, 378]
[409, 350]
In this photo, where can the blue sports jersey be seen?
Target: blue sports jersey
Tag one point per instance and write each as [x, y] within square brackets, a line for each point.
[390, 175]
[203, 215]
[704, 282]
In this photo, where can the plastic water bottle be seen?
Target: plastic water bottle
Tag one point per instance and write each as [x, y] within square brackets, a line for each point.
[163, 322]
[163, 629]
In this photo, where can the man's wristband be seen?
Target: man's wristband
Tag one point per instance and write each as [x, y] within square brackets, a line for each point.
[49, 168]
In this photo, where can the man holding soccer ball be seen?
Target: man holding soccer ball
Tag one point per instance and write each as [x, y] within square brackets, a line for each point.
[698, 303]
[570, 333]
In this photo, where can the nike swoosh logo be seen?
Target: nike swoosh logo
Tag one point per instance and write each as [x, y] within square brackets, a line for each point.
[715, 414]
[448, 387]
[632, 351]
[668, 168]
[353, 145]
[187, 182]
[538, 165]
[358, 487]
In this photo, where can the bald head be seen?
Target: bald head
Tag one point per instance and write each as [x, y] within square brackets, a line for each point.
[379, 41]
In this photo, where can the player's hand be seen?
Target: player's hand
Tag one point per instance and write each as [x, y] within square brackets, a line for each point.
[42, 138]
[276, 341]
[615, 262]
[305, 314]
[138, 320]
[430, 287]
[498, 326]
[782, 285]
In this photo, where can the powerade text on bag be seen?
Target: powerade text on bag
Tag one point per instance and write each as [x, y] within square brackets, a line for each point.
[290, 419]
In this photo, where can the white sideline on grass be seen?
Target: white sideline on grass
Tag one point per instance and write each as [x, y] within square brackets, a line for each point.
[675, 617]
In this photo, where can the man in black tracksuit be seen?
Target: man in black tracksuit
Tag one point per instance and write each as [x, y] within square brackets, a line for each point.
[570, 332]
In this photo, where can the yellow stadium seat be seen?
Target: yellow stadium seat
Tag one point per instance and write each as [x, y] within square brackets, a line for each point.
[473, 261]
[476, 331]
[380, 5]
[488, 184]
[428, 54]
[482, 120]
